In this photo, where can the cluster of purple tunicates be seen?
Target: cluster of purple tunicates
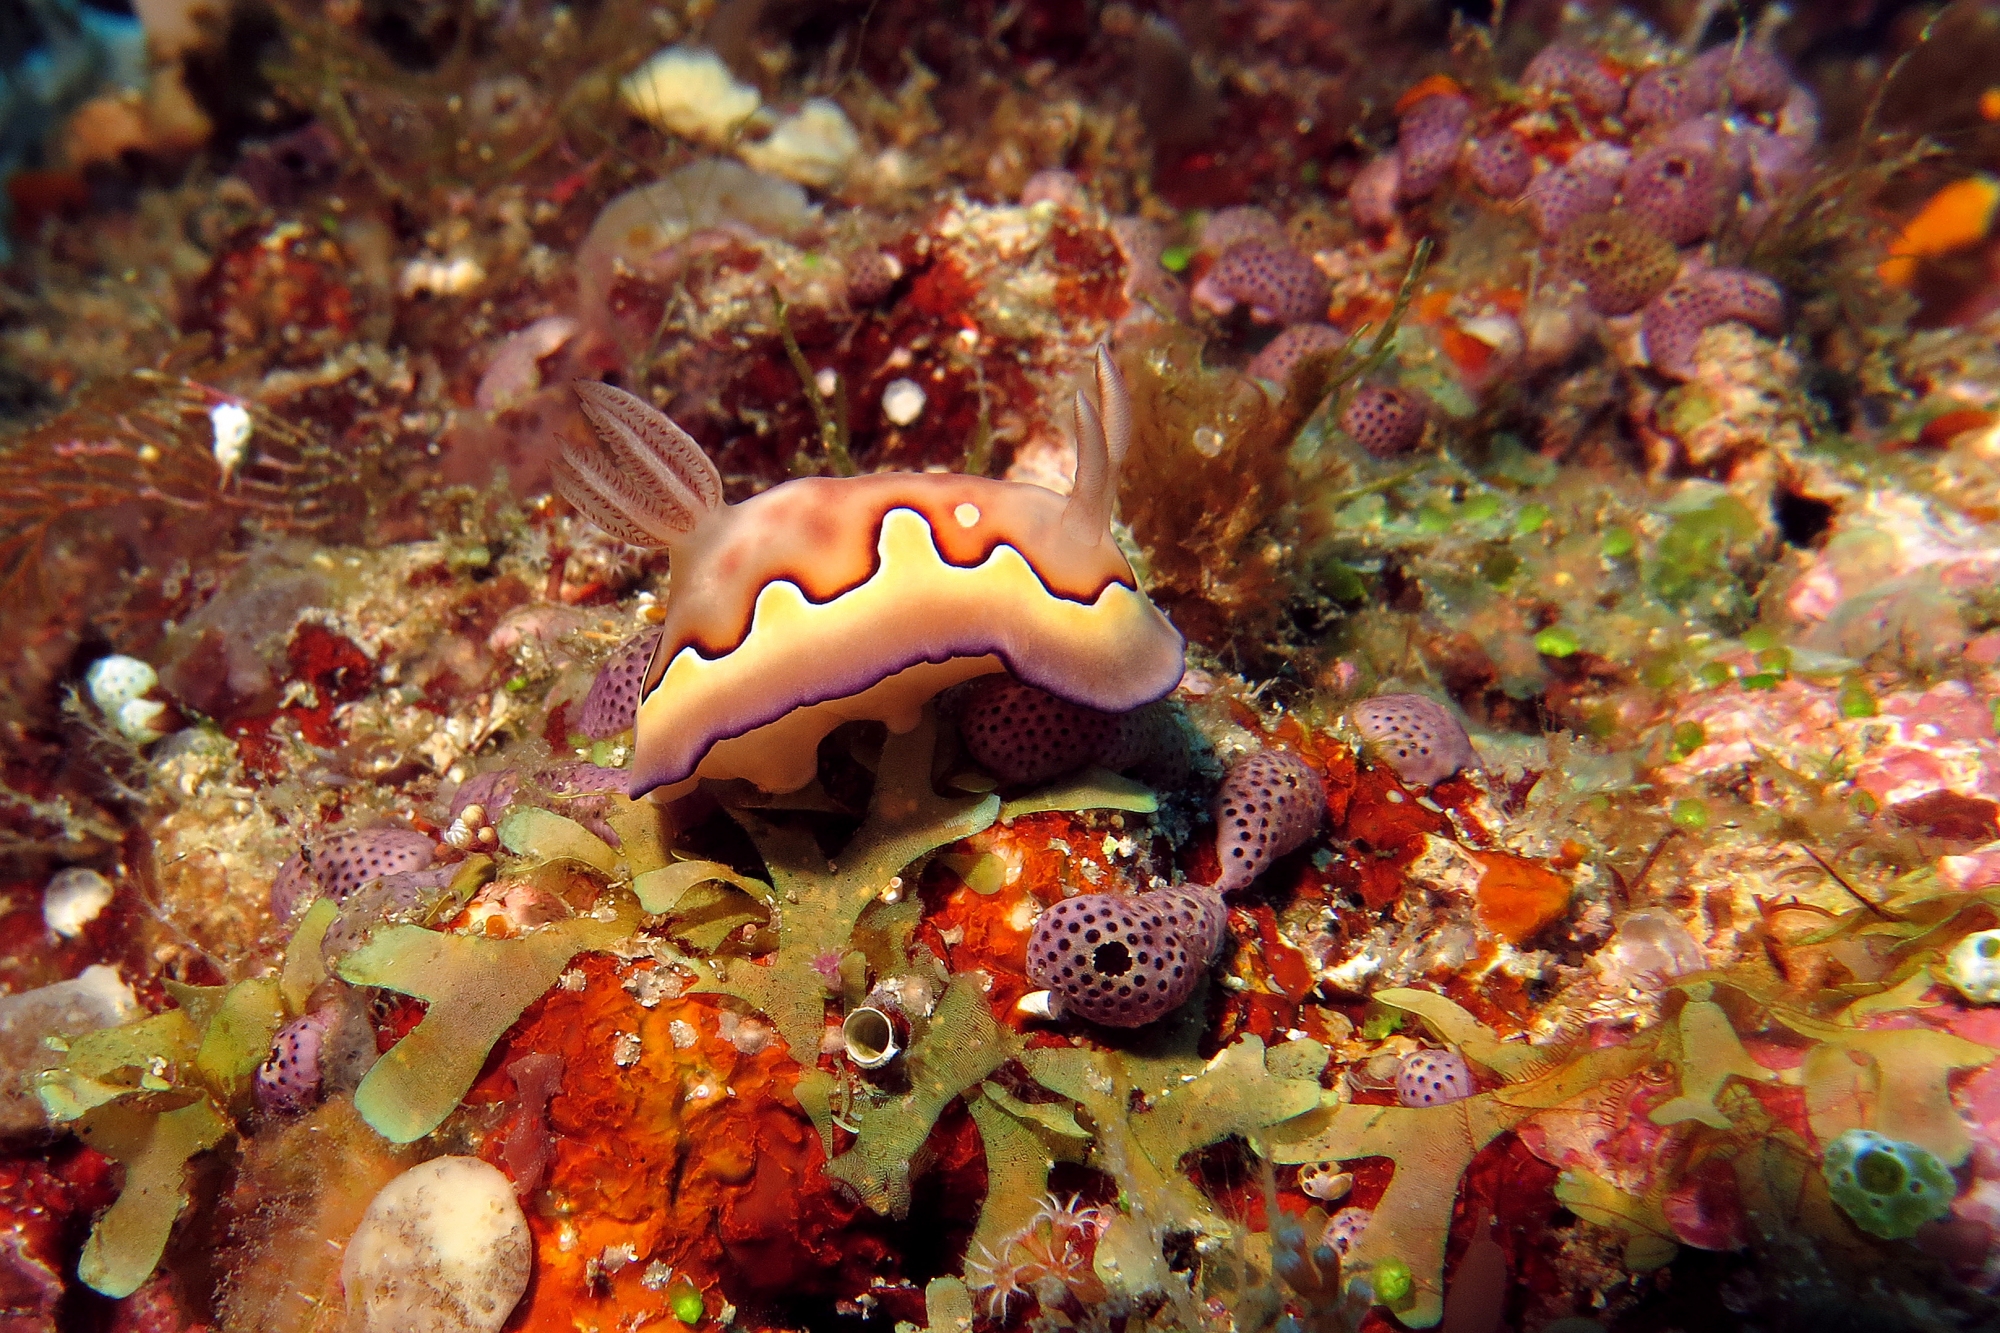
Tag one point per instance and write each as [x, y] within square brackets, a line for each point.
[1672, 156]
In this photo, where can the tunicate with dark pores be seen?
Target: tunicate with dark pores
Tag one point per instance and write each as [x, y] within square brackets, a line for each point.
[1428, 138]
[1344, 1228]
[336, 866]
[1674, 189]
[1416, 736]
[1384, 420]
[612, 705]
[1674, 321]
[1124, 960]
[1500, 164]
[288, 1081]
[1280, 285]
[1432, 1078]
[1269, 804]
[1281, 356]
[1023, 735]
[1755, 79]
[1562, 68]
[1674, 93]
[1587, 183]
[1621, 262]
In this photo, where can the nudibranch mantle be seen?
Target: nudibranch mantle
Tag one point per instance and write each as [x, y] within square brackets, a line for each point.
[827, 600]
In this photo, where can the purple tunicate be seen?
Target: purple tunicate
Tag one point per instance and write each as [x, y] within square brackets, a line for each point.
[1756, 80]
[1587, 184]
[1280, 285]
[492, 791]
[1269, 804]
[381, 900]
[1674, 93]
[1283, 353]
[1372, 194]
[1344, 1228]
[1676, 191]
[1023, 735]
[1385, 421]
[1124, 960]
[338, 865]
[1500, 164]
[288, 1080]
[1577, 73]
[1428, 139]
[1674, 321]
[612, 705]
[1432, 1078]
[1416, 736]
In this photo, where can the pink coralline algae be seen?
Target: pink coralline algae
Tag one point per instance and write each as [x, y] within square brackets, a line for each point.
[1280, 285]
[1577, 74]
[612, 705]
[1416, 736]
[1385, 421]
[1432, 1078]
[1675, 190]
[1500, 164]
[1283, 353]
[1023, 735]
[1269, 804]
[288, 1080]
[1124, 960]
[338, 865]
[1428, 139]
[1587, 184]
[1675, 319]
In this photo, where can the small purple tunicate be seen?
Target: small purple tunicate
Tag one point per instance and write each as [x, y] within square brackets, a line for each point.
[1269, 804]
[1674, 93]
[1416, 736]
[1577, 73]
[1372, 194]
[1023, 735]
[871, 275]
[338, 865]
[1385, 421]
[1428, 139]
[1344, 1228]
[1280, 285]
[391, 896]
[1675, 191]
[1283, 353]
[288, 1080]
[1124, 960]
[1674, 321]
[1587, 184]
[1755, 79]
[612, 705]
[1243, 222]
[1432, 1078]
[492, 791]
[1500, 164]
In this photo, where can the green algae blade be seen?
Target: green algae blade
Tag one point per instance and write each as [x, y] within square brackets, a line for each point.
[238, 1037]
[477, 988]
[1093, 789]
[660, 890]
[529, 831]
[304, 968]
[129, 1237]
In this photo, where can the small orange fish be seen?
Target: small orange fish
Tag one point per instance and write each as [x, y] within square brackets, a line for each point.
[1959, 215]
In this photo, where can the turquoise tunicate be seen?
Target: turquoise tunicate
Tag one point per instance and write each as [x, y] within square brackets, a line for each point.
[1973, 967]
[1890, 1188]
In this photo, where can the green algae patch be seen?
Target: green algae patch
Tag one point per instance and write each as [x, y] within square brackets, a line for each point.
[662, 891]
[1894, 1081]
[304, 968]
[1183, 1105]
[530, 831]
[149, 1056]
[1093, 789]
[154, 1147]
[238, 1037]
[476, 988]
[818, 904]
[962, 1046]
[1705, 1049]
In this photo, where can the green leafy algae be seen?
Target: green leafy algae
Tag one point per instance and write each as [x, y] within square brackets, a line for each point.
[476, 988]
[1093, 789]
[304, 968]
[962, 1046]
[817, 904]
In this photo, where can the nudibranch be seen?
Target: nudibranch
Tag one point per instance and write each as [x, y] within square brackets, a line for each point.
[827, 600]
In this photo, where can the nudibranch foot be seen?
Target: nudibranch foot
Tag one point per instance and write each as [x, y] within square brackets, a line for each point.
[829, 600]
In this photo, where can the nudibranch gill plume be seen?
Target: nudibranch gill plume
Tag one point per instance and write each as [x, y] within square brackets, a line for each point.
[825, 600]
